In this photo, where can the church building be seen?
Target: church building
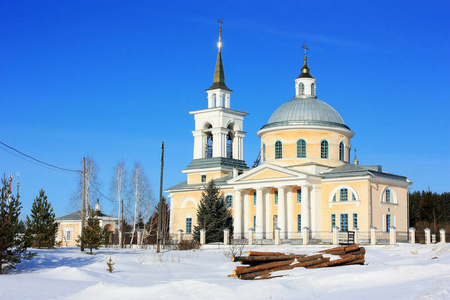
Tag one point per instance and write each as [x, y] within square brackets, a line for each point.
[305, 177]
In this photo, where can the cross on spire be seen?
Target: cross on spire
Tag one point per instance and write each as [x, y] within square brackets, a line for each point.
[305, 47]
[220, 33]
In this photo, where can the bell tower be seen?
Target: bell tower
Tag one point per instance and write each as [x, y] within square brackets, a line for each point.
[218, 134]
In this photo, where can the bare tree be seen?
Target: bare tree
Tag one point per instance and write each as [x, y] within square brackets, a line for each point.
[118, 190]
[92, 183]
[141, 200]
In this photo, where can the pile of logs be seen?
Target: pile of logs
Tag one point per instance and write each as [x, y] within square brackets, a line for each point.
[261, 265]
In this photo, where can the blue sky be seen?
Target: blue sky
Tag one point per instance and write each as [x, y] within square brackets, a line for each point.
[113, 79]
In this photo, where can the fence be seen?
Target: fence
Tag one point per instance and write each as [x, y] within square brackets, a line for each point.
[298, 238]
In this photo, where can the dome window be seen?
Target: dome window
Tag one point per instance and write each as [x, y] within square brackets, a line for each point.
[324, 149]
[301, 148]
[301, 88]
[278, 150]
[341, 151]
[264, 152]
[313, 89]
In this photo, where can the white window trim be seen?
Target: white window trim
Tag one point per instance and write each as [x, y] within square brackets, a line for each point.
[394, 200]
[351, 190]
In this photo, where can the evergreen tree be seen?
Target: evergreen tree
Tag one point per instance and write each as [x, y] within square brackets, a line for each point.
[42, 226]
[212, 215]
[13, 246]
[152, 224]
[93, 236]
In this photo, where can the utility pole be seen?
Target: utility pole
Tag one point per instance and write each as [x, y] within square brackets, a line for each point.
[158, 230]
[83, 202]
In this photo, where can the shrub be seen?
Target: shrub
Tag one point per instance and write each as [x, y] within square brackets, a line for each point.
[188, 245]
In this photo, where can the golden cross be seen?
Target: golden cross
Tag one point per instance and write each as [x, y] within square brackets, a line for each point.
[305, 47]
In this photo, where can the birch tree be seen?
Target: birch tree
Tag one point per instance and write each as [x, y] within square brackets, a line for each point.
[141, 200]
[91, 170]
[118, 191]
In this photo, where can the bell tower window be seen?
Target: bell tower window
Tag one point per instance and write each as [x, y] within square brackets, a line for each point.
[313, 89]
[229, 146]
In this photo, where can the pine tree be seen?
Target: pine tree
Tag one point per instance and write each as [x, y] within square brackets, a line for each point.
[42, 226]
[212, 215]
[13, 246]
[93, 236]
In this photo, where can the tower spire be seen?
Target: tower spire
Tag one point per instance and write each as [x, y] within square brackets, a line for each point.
[219, 74]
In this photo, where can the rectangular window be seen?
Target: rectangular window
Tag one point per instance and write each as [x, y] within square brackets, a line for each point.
[333, 221]
[343, 195]
[355, 221]
[68, 235]
[203, 178]
[188, 225]
[388, 196]
[254, 198]
[229, 201]
[344, 222]
[299, 223]
[254, 222]
[299, 196]
[388, 222]
[276, 197]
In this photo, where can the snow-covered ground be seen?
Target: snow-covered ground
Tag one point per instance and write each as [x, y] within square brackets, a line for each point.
[391, 272]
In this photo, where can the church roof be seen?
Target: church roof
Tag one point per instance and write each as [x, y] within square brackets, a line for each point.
[76, 215]
[306, 111]
[351, 170]
[184, 185]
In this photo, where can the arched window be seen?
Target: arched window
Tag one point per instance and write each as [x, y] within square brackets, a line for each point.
[229, 145]
[264, 152]
[278, 150]
[229, 201]
[341, 151]
[388, 196]
[209, 143]
[324, 149]
[343, 195]
[301, 149]
[313, 89]
[214, 100]
[301, 88]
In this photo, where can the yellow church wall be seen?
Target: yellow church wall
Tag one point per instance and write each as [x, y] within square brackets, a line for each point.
[398, 210]
[74, 228]
[196, 178]
[313, 139]
[182, 211]
[349, 207]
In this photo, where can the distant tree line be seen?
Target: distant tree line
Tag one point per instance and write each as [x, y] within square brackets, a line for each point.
[429, 210]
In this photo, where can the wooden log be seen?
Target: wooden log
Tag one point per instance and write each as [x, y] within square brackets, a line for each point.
[356, 262]
[264, 266]
[246, 259]
[336, 262]
[340, 248]
[362, 251]
[350, 248]
[282, 268]
[257, 253]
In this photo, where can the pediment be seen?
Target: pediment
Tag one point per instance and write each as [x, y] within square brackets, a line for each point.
[267, 172]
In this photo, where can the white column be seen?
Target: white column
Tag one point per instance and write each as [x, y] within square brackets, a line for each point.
[246, 213]
[373, 235]
[427, 236]
[237, 214]
[289, 213]
[442, 233]
[392, 235]
[259, 213]
[277, 235]
[305, 207]
[202, 236]
[268, 214]
[281, 212]
[315, 208]
[198, 144]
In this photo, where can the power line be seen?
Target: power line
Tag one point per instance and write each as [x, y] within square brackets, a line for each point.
[39, 161]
